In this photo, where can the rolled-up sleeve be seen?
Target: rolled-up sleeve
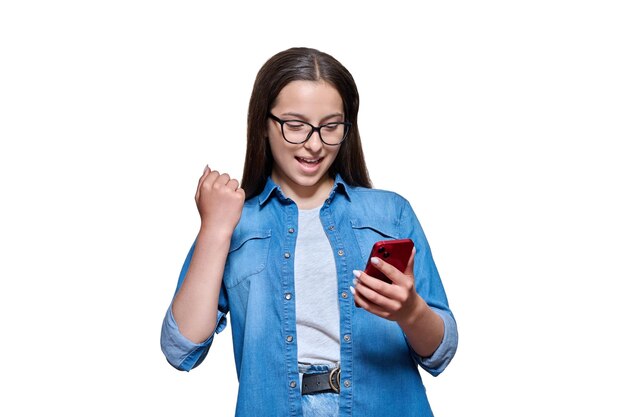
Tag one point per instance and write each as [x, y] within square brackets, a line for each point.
[439, 360]
[429, 286]
[179, 351]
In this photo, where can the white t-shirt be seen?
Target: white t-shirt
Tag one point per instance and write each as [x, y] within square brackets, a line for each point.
[317, 303]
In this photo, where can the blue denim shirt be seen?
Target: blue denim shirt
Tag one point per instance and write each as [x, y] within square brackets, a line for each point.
[379, 370]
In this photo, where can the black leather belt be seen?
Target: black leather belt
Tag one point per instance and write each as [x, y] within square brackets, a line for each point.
[324, 382]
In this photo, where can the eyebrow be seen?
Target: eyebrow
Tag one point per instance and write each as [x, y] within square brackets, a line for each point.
[304, 118]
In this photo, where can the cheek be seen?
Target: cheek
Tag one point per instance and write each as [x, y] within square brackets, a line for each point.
[277, 147]
[333, 156]
[275, 155]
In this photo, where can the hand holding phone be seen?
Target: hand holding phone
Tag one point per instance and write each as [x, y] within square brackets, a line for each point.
[395, 252]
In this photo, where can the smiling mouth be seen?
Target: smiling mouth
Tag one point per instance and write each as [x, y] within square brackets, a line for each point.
[307, 161]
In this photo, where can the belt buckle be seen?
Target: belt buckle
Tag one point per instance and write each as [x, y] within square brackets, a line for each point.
[334, 378]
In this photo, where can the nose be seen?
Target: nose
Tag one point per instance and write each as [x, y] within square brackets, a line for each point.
[314, 144]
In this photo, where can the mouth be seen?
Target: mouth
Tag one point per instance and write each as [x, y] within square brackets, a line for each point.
[309, 162]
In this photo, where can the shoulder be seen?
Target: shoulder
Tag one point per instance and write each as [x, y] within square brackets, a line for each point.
[250, 213]
[378, 200]
[254, 221]
[363, 192]
[376, 214]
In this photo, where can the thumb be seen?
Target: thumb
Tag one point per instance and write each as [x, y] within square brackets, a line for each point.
[410, 264]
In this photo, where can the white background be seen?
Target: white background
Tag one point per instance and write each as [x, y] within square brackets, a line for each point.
[502, 122]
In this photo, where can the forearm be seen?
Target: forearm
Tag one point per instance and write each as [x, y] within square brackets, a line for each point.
[195, 305]
[424, 329]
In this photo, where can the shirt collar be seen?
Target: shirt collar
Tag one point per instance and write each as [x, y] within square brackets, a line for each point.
[271, 186]
[340, 185]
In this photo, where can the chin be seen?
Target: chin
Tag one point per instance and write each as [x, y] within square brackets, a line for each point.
[305, 181]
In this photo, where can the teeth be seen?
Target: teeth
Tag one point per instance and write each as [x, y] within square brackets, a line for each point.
[310, 161]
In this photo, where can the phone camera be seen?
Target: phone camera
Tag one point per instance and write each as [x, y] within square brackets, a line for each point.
[381, 249]
[386, 255]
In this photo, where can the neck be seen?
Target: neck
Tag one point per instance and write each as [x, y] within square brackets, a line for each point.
[305, 197]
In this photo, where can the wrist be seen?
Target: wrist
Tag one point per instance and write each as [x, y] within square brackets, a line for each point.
[415, 315]
[214, 234]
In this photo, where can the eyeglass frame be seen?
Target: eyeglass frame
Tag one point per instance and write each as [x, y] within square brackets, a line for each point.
[347, 126]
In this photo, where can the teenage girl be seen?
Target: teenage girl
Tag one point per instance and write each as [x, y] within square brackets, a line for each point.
[283, 253]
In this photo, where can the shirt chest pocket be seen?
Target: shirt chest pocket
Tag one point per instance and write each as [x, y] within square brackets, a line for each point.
[247, 256]
[370, 231]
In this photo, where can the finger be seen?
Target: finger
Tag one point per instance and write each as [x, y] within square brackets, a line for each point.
[359, 301]
[209, 179]
[411, 263]
[381, 287]
[389, 270]
[223, 179]
[233, 184]
[367, 305]
[207, 183]
[380, 312]
[205, 174]
[374, 297]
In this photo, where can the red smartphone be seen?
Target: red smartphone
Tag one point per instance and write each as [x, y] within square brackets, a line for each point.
[395, 252]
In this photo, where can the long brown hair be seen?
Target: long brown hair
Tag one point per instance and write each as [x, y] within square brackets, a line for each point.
[304, 64]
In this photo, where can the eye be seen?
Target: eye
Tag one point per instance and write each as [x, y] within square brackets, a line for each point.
[294, 125]
[332, 126]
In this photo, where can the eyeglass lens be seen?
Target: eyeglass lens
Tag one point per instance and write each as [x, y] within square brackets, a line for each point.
[297, 132]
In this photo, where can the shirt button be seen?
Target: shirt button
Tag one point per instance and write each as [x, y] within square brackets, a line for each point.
[340, 252]
[347, 338]
[346, 383]
[292, 384]
[344, 295]
[289, 339]
[287, 255]
[331, 228]
[288, 296]
[291, 230]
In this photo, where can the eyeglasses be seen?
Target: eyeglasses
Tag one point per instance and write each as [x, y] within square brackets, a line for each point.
[297, 131]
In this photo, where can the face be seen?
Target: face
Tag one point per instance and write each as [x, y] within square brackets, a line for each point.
[303, 168]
